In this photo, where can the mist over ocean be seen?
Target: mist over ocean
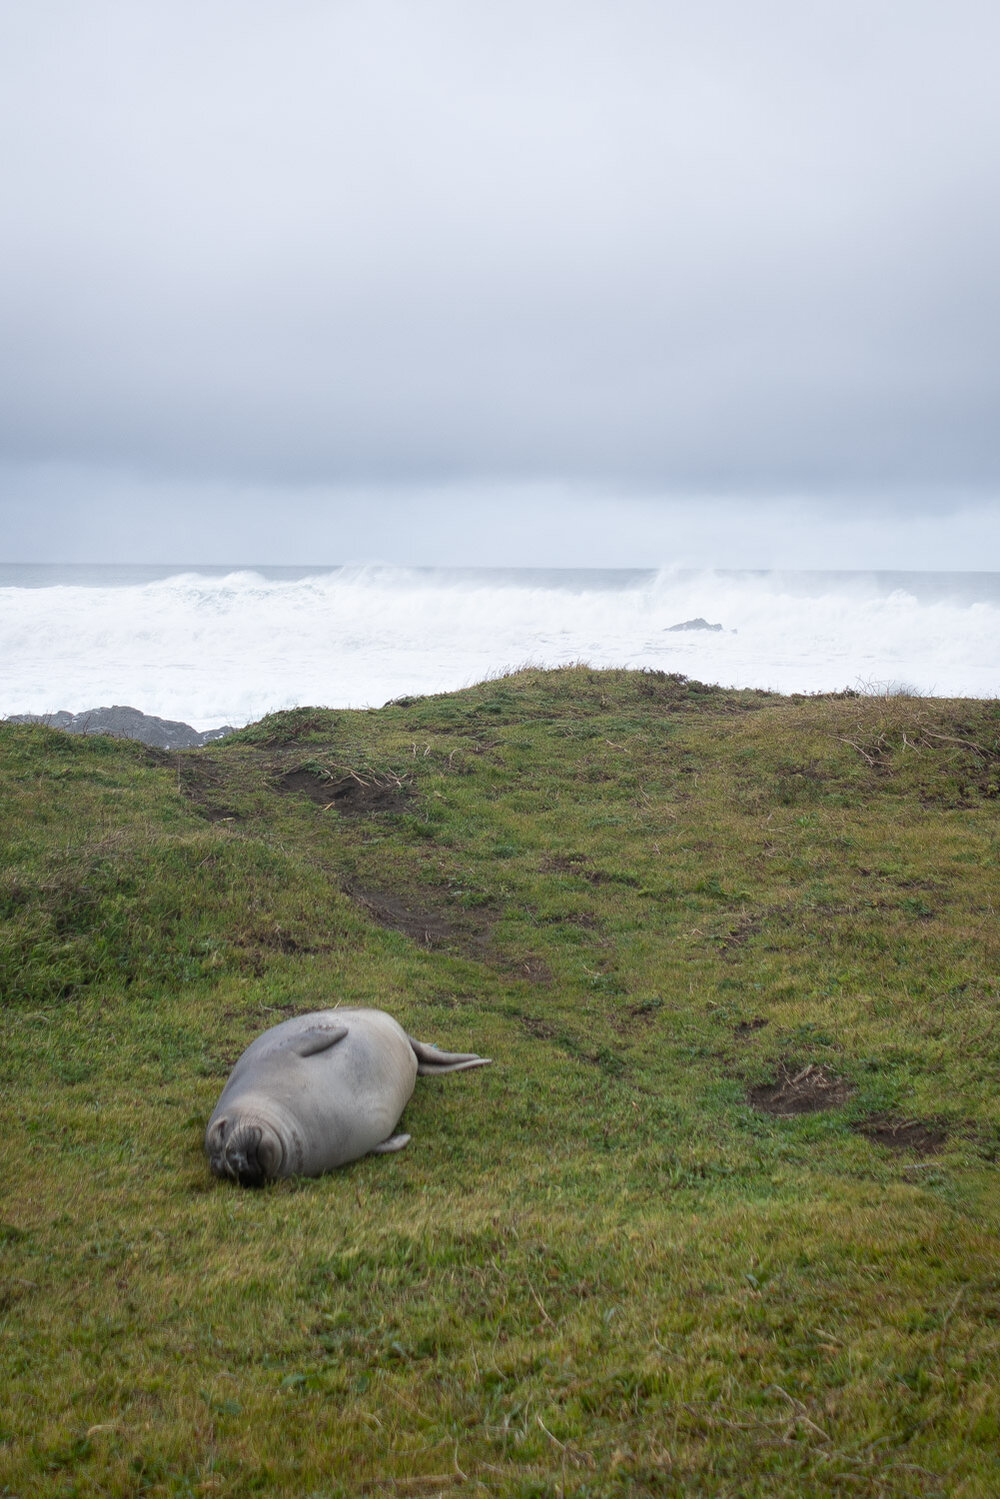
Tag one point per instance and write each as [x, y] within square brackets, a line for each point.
[214, 645]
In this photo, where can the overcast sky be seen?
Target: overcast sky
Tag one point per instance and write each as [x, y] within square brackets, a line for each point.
[540, 281]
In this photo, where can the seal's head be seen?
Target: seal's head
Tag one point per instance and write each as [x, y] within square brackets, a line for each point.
[246, 1149]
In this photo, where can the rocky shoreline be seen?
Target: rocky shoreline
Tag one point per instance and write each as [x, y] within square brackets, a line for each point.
[122, 722]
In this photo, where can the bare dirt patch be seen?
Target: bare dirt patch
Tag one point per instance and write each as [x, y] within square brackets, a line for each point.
[748, 1027]
[583, 919]
[634, 1018]
[539, 1028]
[646, 1009]
[459, 930]
[529, 967]
[565, 864]
[739, 935]
[278, 939]
[425, 927]
[924, 1136]
[582, 866]
[353, 794]
[809, 1090]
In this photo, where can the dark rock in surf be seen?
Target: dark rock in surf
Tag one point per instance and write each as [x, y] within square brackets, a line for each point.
[127, 723]
[693, 624]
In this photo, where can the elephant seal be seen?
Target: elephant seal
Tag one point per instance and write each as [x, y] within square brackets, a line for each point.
[318, 1091]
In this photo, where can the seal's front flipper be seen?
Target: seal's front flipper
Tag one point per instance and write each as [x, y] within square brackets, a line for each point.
[318, 1038]
[431, 1061]
[394, 1142]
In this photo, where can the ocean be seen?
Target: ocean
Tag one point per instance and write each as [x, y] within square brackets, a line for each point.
[214, 645]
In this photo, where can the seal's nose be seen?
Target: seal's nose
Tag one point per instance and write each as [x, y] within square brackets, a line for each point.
[243, 1160]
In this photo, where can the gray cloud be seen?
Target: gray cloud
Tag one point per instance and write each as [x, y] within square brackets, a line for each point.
[668, 248]
[92, 515]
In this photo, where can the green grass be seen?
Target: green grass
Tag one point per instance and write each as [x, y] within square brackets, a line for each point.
[597, 1270]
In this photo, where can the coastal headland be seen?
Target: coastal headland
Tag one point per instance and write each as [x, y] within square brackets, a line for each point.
[722, 1216]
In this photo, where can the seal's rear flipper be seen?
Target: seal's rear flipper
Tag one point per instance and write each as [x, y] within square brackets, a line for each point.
[431, 1061]
[318, 1038]
[394, 1142]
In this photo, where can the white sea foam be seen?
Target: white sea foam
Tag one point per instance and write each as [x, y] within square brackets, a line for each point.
[229, 648]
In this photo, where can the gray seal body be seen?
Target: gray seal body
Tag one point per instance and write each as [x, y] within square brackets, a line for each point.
[318, 1091]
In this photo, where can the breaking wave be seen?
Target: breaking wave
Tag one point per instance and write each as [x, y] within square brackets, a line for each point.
[216, 647]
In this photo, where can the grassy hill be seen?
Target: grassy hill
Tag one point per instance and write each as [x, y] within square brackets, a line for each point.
[721, 1219]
